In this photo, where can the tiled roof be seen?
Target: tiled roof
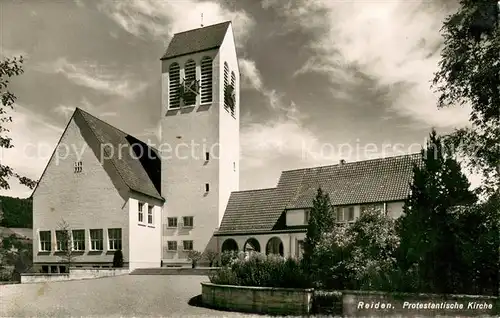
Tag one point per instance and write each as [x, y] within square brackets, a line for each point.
[141, 175]
[370, 181]
[196, 40]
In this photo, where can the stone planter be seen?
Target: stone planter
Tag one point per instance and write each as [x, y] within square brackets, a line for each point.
[263, 300]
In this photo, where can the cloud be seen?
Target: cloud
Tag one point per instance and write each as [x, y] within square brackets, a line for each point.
[11, 53]
[160, 19]
[250, 75]
[34, 140]
[95, 77]
[395, 42]
[67, 110]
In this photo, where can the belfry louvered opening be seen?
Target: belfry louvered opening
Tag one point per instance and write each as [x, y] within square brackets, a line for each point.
[226, 85]
[206, 80]
[174, 74]
[190, 86]
[233, 97]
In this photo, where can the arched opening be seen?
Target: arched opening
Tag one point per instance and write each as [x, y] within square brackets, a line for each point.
[229, 245]
[275, 246]
[174, 79]
[206, 80]
[190, 89]
[251, 245]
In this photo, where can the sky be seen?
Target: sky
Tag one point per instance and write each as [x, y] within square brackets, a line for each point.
[322, 80]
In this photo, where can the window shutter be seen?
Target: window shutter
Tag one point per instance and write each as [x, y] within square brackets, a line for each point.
[206, 80]
[174, 75]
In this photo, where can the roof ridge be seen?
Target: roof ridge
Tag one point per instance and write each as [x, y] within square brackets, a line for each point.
[353, 162]
[203, 27]
[255, 190]
[120, 130]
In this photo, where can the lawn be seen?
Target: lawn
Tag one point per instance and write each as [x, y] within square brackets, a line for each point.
[123, 296]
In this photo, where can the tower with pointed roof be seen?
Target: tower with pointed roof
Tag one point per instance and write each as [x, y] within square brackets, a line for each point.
[199, 137]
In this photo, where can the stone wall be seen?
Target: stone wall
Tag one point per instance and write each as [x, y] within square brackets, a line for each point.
[75, 274]
[379, 304]
[266, 300]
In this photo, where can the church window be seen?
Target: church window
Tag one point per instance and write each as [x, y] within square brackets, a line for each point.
[207, 156]
[206, 80]
[207, 187]
[174, 75]
[78, 167]
[190, 86]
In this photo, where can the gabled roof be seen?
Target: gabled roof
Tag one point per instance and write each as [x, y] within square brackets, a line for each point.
[141, 173]
[370, 181]
[197, 40]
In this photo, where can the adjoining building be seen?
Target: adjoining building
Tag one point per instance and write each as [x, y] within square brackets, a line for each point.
[275, 220]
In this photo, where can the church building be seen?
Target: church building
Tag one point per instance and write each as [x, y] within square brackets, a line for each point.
[156, 204]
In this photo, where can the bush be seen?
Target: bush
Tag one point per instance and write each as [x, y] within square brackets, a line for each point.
[262, 271]
[227, 257]
[118, 259]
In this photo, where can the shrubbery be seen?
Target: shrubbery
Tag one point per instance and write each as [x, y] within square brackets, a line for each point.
[260, 270]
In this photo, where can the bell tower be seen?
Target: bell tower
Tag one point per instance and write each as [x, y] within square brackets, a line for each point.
[200, 146]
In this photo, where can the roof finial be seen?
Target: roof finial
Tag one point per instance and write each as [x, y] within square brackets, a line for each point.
[202, 19]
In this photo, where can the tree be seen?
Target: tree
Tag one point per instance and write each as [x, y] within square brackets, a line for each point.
[194, 257]
[427, 251]
[118, 259]
[469, 74]
[64, 244]
[210, 256]
[321, 220]
[477, 231]
[9, 68]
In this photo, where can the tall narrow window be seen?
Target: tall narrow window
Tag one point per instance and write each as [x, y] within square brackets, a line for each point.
[190, 89]
[207, 187]
[78, 240]
[63, 239]
[206, 80]
[45, 241]
[207, 156]
[226, 85]
[150, 214]
[232, 104]
[96, 240]
[141, 213]
[115, 239]
[174, 76]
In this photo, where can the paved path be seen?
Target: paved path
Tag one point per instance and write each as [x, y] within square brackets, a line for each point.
[123, 296]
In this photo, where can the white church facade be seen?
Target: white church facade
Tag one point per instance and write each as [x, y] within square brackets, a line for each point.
[156, 204]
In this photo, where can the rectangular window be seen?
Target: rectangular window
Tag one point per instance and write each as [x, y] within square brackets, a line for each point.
[115, 239]
[150, 214]
[187, 245]
[207, 187]
[45, 241]
[234, 166]
[78, 167]
[63, 239]
[171, 245]
[141, 213]
[172, 222]
[207, 156]
[339, 212]
[300, 248]
[188, 221]
[306, 216]
[350, 214]
[96, 240]
[79, 240]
